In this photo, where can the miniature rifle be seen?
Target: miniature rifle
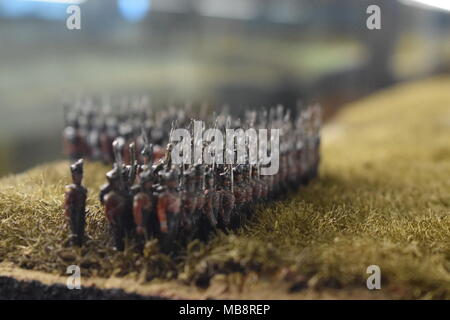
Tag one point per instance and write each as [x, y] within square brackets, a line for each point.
[214, 157]
[147, 146]
[117, 148]
[168, 155]
[182, 182]
[230, 168]
[133, 162]
[232, 178]
[262, 125]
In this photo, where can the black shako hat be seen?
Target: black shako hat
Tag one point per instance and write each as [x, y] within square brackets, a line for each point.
[77, 167]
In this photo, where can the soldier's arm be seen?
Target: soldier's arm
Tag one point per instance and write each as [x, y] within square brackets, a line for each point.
[113, 206]
[108, 207]
[103, 191]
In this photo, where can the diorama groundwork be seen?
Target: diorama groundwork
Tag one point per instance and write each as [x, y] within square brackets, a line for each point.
[382, 198]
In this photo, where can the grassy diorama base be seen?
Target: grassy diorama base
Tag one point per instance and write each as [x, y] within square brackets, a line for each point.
[382, 198]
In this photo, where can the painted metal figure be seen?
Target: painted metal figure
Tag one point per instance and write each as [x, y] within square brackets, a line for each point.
[75, 204]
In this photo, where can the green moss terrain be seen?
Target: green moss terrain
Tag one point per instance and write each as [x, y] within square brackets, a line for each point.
[383, 198]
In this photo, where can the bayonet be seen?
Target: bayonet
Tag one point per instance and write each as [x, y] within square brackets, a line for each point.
[133, 162]
[232, 178]
[117, 148]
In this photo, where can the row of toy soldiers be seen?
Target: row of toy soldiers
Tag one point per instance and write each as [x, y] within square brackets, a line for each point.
[179, 203]
[147, 198]
[91, 127]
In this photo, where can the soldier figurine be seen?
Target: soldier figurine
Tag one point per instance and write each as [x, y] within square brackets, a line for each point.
[72, 141]
[265, 187]
[107, 136]
[146, 151]
[227, 199]
[147, 157]
[256, 184]
[93, 138]
[144, 207]
[116, 206]
[247, 184]
[240, 195]
[75, 204]
[169, 208]
[189, 206]
[210, 212]
[199, 195]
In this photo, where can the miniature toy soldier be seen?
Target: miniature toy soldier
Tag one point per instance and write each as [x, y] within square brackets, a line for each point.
[144, 207]
[283, 174]
[256, 184]
[275, 184]
[240, 195]
[93, 139]
[117, 207]
[265, 184]
[309, 144]
[189, 206]
[247, 186]
[125, 139]
[199, 195]
[107, 136]
[147, 162]
[75, 204]
[72, 141]
[300, 152]
[147, 156]
[132, 168]
[169, 208]
[84, 127]
[210, 212]
[227, 200]
[272, 182]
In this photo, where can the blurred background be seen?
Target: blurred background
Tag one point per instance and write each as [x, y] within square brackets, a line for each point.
[244, 53]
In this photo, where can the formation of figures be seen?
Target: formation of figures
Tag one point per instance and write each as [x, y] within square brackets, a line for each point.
[147, 195]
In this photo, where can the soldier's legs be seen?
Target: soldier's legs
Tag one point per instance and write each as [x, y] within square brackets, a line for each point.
[169, 241]
[77, 222]
[153, 226]
[236, 217]
[118, 237]
[204, 229]
[81, 227]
